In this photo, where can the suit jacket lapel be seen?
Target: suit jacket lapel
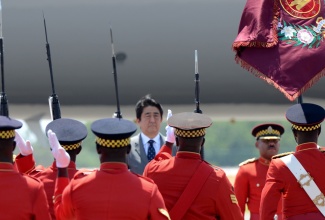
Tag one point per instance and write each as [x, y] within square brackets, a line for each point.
[142, 152]
[162, 141]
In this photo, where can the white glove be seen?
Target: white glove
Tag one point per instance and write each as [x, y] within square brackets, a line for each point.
[25, 147]
[61, 156]
[170, 136]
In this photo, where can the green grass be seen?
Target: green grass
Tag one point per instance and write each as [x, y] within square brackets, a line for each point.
[227, 144]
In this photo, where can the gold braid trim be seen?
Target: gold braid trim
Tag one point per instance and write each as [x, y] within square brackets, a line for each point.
[7, 134]
[268, 132]
[306, 128]
[71, 146]
[281, 155]
[113, 143]
[190, 134]
[248, 161]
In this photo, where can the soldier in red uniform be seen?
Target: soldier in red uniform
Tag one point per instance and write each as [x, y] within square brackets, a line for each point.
[70, 133]
[22, 197]
[191, 187]
[298, 177]
[112, 192]
[251, 175]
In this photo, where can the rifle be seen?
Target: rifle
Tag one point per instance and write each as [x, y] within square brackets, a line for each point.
[53, 99]
[4, 111]
[117, 114]
[197, 86]
[197, 93]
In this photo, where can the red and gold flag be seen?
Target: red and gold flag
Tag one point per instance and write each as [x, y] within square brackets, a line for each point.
[282, 42]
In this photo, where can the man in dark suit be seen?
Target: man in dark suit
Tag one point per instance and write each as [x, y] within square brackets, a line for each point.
[148, 142]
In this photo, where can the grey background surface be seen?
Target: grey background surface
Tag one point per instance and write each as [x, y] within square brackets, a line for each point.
[158, 37]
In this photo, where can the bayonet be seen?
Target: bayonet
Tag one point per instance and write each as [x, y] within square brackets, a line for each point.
[53, 99]
[197, 85]
[118, 113]
[197, 93]
[4, 111]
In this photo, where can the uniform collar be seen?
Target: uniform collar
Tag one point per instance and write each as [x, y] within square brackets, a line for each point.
[264, 161]
[188, 155]
[306, 146]
[6, 167]
[114, 167]
[72, 165]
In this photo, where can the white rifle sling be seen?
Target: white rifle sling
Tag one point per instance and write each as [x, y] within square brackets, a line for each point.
[306, 181]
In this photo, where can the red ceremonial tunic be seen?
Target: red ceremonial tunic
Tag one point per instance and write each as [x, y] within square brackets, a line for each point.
[109, 193]
[46, 175]
[22, 197]
[172, 175]
[280, 182]
[249, 183]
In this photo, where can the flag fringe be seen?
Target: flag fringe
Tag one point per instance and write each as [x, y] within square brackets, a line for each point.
[260, 75]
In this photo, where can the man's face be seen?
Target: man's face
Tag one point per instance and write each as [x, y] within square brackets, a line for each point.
[150, 121]
[268, 147]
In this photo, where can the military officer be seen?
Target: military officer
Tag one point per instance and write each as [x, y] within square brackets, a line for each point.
[112, 192]
[22, 197]
[70, 134]
[251, 175]
[191, 187]
[298, 177]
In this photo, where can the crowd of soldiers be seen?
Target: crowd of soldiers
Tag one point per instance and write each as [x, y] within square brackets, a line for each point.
[152, 176]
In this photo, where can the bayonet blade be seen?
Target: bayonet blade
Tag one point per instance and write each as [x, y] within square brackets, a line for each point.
[196, 63]
[0, 19]
[44, 28]
[112, 43]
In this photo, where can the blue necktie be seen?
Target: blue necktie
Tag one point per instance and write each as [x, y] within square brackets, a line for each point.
[151, 150]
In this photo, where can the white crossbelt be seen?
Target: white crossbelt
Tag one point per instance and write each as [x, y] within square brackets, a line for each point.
[305, 181]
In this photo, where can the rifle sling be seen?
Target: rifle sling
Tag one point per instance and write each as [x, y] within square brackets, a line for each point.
[190, 192]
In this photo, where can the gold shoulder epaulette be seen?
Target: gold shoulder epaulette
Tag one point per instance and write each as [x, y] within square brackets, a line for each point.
[282, 155]
[248, 161]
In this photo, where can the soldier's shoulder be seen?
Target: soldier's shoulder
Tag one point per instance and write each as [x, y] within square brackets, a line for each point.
[144, 178]
[282, 155]
[248, 161]
[322, 149]
[212, 166]
[32, 179]
[36, 171]
[82, 173]
[215, 167]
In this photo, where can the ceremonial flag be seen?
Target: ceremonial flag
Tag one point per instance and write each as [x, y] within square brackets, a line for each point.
[282, 42]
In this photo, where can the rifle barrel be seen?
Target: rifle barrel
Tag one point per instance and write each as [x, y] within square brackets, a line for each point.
[2, 67]
[118, 113]
[53, 99]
